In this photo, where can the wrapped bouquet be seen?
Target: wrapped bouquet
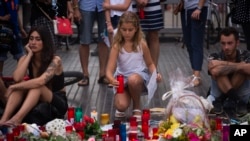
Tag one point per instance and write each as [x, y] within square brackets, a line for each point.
[186, 107]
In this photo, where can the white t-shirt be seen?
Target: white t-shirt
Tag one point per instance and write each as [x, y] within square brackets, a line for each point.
[118, 13]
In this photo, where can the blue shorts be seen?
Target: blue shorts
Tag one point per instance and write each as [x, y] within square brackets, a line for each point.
[86, 26]
[16, 50]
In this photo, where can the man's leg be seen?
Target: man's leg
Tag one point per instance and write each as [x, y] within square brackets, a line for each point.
[86, 26]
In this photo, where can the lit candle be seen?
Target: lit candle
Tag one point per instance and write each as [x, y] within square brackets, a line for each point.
[94, 114]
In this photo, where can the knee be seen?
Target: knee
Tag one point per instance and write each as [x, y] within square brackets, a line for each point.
[135, 80]
[121, 104]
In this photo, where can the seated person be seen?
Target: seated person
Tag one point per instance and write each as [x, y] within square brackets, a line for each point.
[230, 71]
[46, 83]
[129, 56]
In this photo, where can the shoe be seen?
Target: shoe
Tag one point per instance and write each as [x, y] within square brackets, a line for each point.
[103, 80]
[241, 108]
[218, 105]
[137, 114]
[84, 81]
[119, 114]
[196, 81]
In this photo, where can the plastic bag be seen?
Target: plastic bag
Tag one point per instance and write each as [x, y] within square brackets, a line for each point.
[184, 104]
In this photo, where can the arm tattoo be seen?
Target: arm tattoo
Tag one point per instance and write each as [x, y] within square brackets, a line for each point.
[227, 70]
[50, 71]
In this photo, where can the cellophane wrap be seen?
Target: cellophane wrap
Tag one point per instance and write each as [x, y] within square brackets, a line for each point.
[185, 105]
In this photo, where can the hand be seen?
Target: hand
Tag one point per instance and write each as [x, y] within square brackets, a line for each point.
[196, 14]
[110, 29]
[28, 50]
[142, 3]
[158, 77]
[71, 16]
[23, 33]
[6, 17]
[114, 83]
[77, 15]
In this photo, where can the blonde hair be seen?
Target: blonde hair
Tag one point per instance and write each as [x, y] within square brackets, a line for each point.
[129, 17]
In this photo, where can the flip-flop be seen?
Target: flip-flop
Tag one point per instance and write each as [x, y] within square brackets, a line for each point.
[84, 81]
[119, 114]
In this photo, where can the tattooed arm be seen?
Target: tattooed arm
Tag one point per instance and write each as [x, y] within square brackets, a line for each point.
[219, 68]
[55, 67]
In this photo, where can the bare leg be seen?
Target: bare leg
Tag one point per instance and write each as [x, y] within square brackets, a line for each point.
[2, 90]
[13, 102]
[122, 101]
[135, 87]
[103, 56]
[84, 58]
[154, 45]
[31, 100]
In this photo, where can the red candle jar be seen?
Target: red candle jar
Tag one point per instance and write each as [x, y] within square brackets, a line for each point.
[120, 88]
[71, 114]
[146, 114]
[132, 136]
[141, 13]
[218, 123]
[10, 136]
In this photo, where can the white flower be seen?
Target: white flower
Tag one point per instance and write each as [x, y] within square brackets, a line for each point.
[177, 132]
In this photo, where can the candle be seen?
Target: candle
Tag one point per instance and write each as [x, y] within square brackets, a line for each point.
[78, 114]
[71, 114]
[94, 113]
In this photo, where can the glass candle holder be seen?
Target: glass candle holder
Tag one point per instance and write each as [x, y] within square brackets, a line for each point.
[104, 119]
[71, 114]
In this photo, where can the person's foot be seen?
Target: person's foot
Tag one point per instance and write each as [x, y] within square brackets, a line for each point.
[103, 80]
[84, 81]
[196, 81]
[218, 105]
[241, 108]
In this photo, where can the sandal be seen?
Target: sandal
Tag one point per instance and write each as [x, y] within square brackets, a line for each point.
[103, 80]
[137, 114]
[84, 81]
[119, 114]
[196, 81]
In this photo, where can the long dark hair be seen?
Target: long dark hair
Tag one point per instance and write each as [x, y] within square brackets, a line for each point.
[47, 52]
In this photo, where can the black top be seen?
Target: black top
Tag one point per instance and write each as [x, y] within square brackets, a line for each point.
[57, 82]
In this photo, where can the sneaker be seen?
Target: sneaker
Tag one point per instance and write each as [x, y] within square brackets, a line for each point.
[241, 108]
[218, 106]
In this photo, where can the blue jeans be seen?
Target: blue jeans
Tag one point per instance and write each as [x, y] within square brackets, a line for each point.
[193, 32]
[243, 92]
[87, 23]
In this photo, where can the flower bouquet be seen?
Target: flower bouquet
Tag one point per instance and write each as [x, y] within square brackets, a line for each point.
[172, 130]
[59, 130]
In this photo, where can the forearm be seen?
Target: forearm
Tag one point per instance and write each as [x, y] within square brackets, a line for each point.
[22, 67]
[70, 7]
[26, 85]
[201, 3]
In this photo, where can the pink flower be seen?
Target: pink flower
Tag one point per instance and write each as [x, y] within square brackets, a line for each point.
[193, 137]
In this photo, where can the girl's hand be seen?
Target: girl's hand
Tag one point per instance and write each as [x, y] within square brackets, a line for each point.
[8, 92]
[158, 77]
[114, 83]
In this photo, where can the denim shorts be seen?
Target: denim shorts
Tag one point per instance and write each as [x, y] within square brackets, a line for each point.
[16, 50]
[86, 25]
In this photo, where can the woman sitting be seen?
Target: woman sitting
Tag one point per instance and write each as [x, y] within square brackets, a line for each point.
[46, 83]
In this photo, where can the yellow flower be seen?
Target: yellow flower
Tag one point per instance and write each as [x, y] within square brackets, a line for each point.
[173, 119]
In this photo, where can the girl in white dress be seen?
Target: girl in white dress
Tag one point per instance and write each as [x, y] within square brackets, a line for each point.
[130, 56]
